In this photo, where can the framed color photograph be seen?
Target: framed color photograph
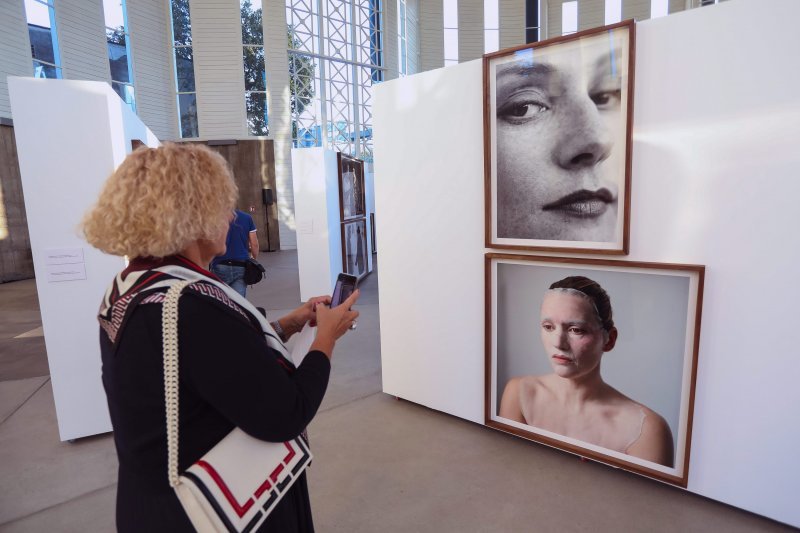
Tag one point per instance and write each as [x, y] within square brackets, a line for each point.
[557, 142]
[595, 357]
[354, 247]
[352, 202]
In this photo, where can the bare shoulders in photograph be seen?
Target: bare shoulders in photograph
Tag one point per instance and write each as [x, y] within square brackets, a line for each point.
[577, 329]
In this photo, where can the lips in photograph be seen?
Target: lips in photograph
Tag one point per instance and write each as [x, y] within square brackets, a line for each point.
[583, 203]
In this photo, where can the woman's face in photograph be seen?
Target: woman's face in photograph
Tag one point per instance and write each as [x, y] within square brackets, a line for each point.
[560, 142]
[572, 336]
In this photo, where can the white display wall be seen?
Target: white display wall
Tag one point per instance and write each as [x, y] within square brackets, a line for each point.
[70, 137]
[315, 174]
[717, 120]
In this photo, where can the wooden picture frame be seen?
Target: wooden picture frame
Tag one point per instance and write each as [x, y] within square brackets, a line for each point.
[558, 116]
[354, 248]
[372, 233]
[544, 348]
[352, 197]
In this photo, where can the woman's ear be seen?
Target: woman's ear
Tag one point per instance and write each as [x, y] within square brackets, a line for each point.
[612, 340]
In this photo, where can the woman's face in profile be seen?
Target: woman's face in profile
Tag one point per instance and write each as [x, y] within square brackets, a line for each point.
[572, 336]
[559, 113]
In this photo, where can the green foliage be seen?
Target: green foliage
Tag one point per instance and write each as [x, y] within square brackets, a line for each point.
[255, 76]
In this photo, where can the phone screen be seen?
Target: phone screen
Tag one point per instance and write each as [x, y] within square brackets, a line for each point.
[345, 285]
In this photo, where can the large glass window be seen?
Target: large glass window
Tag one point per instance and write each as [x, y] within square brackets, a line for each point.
[255, 71]
[659, 8]
[41, 15]
[450, 32]
[402, 42]
[119, 49]
[569, 17]
[491, 26]
[184, 68]
[613, 11]
[335, 59]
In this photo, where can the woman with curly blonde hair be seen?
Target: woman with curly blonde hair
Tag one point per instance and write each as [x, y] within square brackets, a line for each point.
[167, 209]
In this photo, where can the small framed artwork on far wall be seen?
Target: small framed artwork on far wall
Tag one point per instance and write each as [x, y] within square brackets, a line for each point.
[354, 247]
[352, 198]
[595, 357]
[557, 142]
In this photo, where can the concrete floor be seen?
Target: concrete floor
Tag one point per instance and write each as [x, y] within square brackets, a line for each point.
[381, 465]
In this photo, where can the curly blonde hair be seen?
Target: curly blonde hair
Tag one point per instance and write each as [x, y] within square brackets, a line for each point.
[159, 200]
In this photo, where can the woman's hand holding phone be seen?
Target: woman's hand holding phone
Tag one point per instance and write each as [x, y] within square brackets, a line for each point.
[333, 322]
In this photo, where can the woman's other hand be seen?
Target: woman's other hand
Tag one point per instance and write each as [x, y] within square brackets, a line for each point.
[334, 322]
[306, 313]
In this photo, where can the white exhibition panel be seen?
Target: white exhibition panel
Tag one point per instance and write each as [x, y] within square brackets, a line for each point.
[70, 137]
[429, 220]
[316, 214]
[717, 120]
[315, 180]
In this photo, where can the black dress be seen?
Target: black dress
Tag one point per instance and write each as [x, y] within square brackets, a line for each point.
[229, 377]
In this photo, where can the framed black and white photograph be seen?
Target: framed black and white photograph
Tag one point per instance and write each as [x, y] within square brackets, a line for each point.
[354, 247]
[352, 200]
[557, 142]
[595, 357]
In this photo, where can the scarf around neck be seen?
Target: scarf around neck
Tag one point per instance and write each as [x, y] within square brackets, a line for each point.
[146, 280]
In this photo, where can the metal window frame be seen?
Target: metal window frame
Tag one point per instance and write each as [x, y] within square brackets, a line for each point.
[178, 93]
[51, 11]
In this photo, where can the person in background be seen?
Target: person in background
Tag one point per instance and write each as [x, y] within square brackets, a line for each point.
[240, 244]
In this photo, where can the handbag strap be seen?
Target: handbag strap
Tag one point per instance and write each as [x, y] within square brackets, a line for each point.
[169, 328]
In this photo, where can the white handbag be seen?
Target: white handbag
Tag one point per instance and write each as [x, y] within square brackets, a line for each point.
[239, 481]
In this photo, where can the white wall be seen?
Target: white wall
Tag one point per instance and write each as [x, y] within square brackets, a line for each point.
[429, 220]
[714, 183]
[70, 136]
[316, 201]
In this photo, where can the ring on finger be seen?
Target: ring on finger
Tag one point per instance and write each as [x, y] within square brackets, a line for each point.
[353, 325]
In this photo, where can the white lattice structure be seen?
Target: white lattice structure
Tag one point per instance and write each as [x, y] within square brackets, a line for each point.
[335, 58]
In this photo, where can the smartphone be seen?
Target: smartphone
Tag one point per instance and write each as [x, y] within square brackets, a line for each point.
[345, 286]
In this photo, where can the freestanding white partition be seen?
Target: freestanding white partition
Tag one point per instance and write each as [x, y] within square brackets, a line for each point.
[316, 210]
[714, 182]
[70, 136]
